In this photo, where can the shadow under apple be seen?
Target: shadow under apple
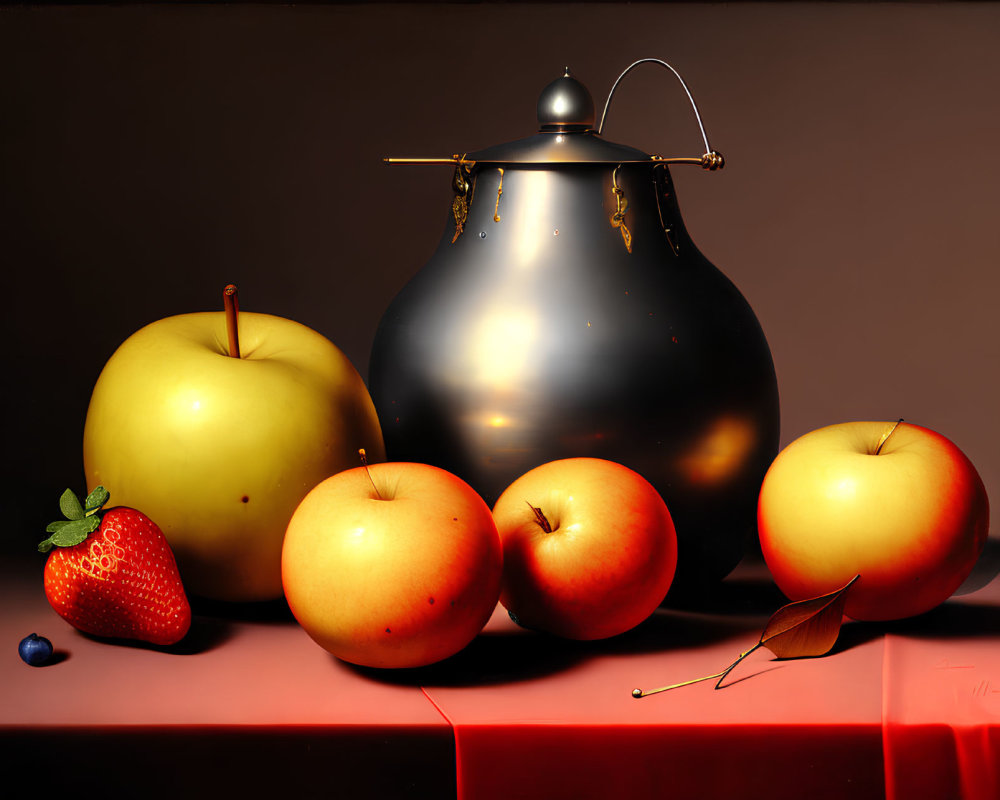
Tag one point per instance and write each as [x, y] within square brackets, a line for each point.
[492, 658]
[508, 654]
[951, 620]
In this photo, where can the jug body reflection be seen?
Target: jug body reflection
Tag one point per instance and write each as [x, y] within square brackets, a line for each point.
[569, 314]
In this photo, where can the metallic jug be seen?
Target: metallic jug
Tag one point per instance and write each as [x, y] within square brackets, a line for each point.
[566, 312]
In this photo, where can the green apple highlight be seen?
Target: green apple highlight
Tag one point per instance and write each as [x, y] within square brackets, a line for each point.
[218, 450]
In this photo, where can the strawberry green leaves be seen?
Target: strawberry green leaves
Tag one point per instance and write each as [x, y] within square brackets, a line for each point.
[96, 500]
[798, 630]
[66, 533]
[81, 519]
[70, 506]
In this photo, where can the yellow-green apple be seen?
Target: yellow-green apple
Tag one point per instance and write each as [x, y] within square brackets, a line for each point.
[589, 548]
[219, 450]
[396, 565]
[898, 504]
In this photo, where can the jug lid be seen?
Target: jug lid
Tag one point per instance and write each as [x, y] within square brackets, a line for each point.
[566, 133]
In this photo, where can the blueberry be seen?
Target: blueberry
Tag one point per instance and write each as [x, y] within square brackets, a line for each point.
[34, 650]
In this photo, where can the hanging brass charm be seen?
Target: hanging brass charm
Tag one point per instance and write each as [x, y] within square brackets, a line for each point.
[460, 204]
[496, 210]
[618, 218]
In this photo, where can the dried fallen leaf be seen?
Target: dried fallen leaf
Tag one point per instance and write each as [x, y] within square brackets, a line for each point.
[802, 629]
[808, 627]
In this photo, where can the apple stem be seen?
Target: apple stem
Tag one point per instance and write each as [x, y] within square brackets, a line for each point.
[231, 302]
[886, 437]
[540, 518]
[364, 463]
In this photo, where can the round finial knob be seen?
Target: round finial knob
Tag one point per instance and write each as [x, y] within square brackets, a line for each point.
[565, 105]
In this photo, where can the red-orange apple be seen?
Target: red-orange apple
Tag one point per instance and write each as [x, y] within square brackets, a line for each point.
[589, 548]
[394, 565]
[899, 505]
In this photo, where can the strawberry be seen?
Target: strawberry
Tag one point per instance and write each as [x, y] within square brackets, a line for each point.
[114, 574]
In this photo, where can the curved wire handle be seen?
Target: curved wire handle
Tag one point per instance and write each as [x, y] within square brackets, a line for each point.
[712, 158]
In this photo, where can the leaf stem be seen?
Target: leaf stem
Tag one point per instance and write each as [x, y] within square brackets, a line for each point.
[637, 693]
[732, 666]
[231, 303]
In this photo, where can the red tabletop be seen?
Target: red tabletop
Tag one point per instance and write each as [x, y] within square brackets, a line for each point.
[241, 708]
[249, 705]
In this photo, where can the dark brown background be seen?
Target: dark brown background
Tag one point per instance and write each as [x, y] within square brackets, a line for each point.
[151, 154]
